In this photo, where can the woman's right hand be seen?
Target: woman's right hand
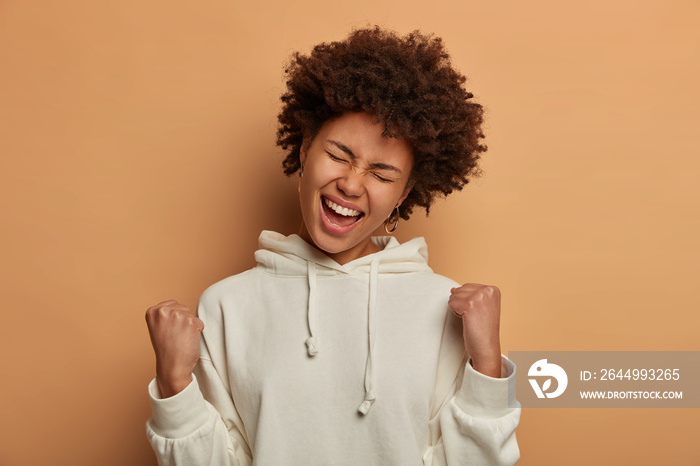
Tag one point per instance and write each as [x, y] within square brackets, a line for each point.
[175, 334]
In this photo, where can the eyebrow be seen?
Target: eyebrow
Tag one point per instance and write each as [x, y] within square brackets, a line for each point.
[351, 154]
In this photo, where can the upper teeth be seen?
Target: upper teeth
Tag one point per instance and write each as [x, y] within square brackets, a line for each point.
[341, 210]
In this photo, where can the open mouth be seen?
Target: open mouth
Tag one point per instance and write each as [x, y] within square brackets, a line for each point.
[339, 216]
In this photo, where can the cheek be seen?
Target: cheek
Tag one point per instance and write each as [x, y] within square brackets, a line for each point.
[323, 172]
[316, 177]
[384, 198]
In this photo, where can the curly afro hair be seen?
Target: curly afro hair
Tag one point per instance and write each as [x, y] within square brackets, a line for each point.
[408, 84]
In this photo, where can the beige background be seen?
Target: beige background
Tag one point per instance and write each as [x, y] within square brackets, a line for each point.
[138, 164]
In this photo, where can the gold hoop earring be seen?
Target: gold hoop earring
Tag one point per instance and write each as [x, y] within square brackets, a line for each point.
[393, 229]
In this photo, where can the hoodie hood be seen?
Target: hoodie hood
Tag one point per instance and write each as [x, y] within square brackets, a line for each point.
[292, 256]
[289, 255]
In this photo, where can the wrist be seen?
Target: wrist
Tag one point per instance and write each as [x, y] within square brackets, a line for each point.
[170, 386]
[490, 365]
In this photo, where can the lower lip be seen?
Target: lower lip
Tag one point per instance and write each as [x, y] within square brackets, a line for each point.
[335, 229]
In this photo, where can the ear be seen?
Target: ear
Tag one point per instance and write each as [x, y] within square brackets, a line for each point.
[406, 191]
[303, 150]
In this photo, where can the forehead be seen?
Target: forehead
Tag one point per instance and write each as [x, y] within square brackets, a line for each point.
[363, 135]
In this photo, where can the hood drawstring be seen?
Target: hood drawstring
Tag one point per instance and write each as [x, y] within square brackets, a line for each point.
[370, 396]
[292, 256]
[311, 343]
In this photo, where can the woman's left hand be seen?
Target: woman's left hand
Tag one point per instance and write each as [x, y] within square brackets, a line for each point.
[479, 306]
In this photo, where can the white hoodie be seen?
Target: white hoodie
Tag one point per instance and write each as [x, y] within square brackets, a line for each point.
[308, 362]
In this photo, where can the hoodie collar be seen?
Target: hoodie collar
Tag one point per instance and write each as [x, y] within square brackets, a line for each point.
[289, 255]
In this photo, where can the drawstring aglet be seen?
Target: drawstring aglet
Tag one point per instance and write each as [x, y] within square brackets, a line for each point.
[367, 404]
[311, 346]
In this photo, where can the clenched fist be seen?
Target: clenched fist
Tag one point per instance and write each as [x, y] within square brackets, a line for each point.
[175, 335]
[479, 306]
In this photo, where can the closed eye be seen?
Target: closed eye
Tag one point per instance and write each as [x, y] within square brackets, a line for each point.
[336, 159]
[382, 179]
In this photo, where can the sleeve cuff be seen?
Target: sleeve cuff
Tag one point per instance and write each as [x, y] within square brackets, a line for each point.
[179, 415]
[487, 397]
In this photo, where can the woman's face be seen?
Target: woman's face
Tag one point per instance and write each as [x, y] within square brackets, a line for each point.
[353, 179]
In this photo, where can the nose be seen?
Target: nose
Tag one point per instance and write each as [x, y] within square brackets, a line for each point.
[350, 183]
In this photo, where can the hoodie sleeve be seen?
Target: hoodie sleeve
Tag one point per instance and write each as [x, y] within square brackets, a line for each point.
[476, 415]
[200, 425]
[188, 430]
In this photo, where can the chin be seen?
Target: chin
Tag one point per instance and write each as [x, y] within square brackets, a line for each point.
[332, 245]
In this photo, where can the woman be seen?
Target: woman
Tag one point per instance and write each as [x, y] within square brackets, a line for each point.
[340, 347]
